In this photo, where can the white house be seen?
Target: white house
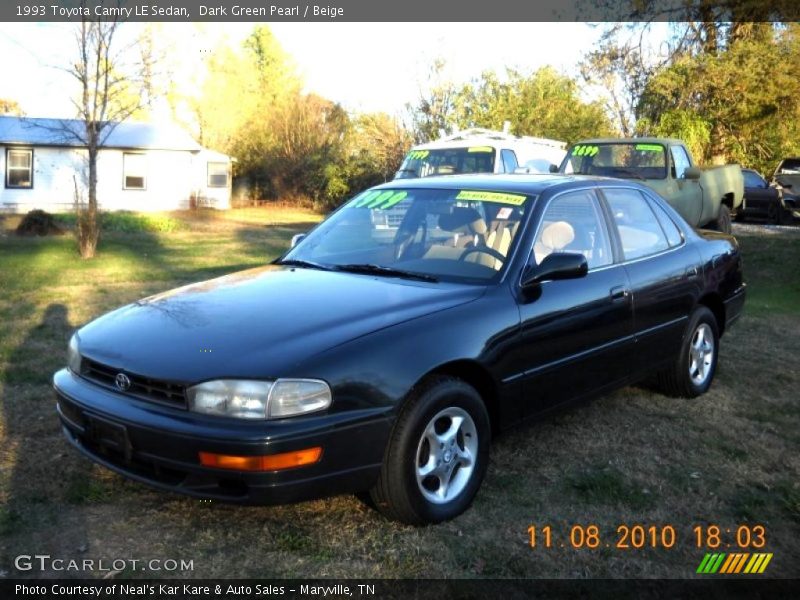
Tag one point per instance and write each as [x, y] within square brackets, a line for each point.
[141, 167]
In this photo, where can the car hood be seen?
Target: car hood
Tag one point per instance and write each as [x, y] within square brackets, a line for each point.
[257, 323]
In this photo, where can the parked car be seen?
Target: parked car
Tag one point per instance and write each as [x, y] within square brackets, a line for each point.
[760, 198]
[481, 151]
[787, 179]
[704, 196]
[374, 359]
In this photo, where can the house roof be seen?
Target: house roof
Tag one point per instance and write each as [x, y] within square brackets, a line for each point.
[128, 134]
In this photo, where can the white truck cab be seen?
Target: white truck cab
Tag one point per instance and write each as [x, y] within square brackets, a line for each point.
[481, 151]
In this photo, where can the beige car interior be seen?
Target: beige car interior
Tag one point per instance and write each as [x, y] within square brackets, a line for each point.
[469, 230]
[555, 237]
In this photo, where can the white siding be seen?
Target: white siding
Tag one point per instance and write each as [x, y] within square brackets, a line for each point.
[174, 177]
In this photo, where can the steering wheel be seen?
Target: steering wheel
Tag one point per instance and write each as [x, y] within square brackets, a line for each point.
[486, 250]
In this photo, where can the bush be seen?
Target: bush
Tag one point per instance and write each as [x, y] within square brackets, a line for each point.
[125, 222]
[39, 222]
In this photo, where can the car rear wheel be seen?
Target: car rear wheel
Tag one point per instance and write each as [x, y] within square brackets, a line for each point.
[693, 370]
[775, 212]
[437, 454]
[723, 222]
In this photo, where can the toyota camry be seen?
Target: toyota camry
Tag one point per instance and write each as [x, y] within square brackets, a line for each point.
[387, 346]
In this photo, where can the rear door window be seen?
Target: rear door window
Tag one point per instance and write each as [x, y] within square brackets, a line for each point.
[639, 229]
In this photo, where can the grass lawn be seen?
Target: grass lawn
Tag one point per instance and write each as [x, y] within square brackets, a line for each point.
[635, 457]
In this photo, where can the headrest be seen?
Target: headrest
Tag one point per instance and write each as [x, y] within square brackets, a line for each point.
[463, 220]
[557, 235]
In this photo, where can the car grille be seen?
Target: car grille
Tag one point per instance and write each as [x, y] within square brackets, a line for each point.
[154, 390]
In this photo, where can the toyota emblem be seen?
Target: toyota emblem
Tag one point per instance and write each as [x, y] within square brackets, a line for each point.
[122, 381]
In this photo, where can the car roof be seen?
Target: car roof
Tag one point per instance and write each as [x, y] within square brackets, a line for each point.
[530, 184]
[635, 140]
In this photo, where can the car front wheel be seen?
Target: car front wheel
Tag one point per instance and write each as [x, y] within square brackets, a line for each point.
[437, 454]
[693, 370]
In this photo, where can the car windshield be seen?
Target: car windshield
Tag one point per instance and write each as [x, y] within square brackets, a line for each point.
[458, 235]
[618, 159]
[447, 161]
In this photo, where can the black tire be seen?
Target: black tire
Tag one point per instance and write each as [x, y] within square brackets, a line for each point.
[398, 494]
[678, 380]
[775, 213]
[723, 222]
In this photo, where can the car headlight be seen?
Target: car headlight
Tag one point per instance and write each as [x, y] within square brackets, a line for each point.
[246, 399]
[74, 355]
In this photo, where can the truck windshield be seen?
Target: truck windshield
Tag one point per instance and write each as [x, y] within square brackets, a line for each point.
[617, 159]
[460, 235]
[447, 161]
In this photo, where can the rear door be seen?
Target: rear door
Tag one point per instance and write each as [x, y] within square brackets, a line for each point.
[576, 335]
[664, 273]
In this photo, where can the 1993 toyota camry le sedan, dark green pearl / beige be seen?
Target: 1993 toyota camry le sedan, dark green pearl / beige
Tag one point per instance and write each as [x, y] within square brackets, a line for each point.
[384, 349]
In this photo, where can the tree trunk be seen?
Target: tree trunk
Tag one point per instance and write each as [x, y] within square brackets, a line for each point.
[88, 229]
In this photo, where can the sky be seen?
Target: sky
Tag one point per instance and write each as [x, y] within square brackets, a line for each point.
[364, 66]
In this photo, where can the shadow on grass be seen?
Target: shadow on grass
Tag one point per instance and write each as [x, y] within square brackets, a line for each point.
[270, 241]
[39, 469]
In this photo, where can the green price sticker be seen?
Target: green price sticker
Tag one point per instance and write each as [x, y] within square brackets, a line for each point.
[583, 150]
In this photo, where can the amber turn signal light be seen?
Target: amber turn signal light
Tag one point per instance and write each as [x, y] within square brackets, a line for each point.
[270, 462]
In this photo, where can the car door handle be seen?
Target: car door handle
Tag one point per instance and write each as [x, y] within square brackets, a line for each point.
[620, 292]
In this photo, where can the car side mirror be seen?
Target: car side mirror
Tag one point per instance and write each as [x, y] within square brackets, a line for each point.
[558, 265]
[296, 239]
[692, 173]
[553, 168]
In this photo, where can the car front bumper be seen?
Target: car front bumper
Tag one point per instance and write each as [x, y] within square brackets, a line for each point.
[160, 445]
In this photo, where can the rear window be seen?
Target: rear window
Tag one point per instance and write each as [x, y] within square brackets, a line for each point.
[447, 161]
[790, 166]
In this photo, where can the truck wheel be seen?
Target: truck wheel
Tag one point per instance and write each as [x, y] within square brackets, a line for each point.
[692, 372]
[723, 222]
[437, 454]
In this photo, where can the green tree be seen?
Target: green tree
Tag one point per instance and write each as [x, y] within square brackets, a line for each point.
[733, 97]
[10, 107]
[544, 103]
[433, 111]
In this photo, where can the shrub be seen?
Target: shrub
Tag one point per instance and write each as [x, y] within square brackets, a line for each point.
[125, 222]
[39, 222]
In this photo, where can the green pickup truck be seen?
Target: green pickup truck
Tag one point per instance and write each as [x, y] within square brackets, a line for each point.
[705, 196]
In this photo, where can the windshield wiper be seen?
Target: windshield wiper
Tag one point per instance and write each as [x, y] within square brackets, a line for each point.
[370, 269]
[294, 262]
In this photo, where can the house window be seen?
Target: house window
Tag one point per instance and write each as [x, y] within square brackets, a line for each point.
[217, 174]
[19, 168]
[134, 171]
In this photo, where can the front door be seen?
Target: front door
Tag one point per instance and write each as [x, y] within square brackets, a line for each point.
[576, 334]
